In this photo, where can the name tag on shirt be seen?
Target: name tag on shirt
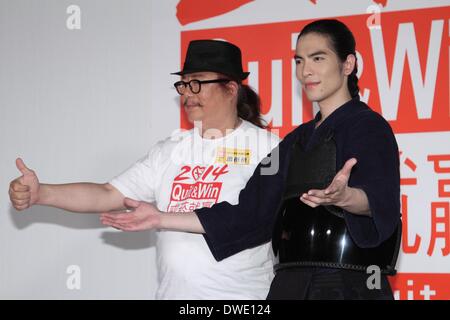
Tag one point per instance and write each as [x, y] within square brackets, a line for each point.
[233, 156]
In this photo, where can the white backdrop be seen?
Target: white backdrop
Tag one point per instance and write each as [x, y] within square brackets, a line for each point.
[84, 104]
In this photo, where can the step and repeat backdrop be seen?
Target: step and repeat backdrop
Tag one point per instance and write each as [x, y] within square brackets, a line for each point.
[403, 60]
[86, 90]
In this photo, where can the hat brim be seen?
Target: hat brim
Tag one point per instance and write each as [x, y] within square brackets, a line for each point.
[242, 76]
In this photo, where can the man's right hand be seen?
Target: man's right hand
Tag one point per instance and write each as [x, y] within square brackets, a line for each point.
[24, 190]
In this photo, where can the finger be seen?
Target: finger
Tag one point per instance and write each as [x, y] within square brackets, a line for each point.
[106, 221]
[341, 178]
[21, 208]
[318, 201]
[119, 217]
[129, 227]
[21, 166]
[21, 202]
[131, 203]
[133, 228]
[118, 221]
[307, 202]
[20, 195]
[317, 193]
[18, 187]
[114, 215]
[347, 168]
[119, 226]
[110, 222]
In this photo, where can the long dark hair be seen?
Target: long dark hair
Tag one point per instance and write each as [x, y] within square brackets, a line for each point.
[342, 43]
[249, 104]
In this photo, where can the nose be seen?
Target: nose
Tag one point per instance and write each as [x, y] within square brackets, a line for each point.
[303, 71]
[187, 92]
[306, 69]
[187, 96]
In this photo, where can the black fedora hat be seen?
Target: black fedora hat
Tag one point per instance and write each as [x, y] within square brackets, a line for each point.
[215, 56]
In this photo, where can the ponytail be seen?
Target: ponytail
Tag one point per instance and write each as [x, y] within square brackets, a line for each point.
[249, 106]
[352, 82]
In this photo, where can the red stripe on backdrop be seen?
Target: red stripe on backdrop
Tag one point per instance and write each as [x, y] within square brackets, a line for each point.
[195, 10]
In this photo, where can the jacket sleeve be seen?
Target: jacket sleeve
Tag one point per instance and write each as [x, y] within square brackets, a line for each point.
[372, 142]
[233, 228]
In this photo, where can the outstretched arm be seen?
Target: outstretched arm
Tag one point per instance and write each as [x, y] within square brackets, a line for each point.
[145, 216]
[26, 191]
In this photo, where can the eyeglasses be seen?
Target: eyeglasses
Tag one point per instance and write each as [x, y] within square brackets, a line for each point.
[195, 85]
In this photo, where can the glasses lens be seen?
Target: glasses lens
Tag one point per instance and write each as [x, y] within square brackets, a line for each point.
[180, 86]
[195, 86]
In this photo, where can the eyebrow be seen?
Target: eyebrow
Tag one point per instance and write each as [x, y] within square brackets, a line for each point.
[317, 53]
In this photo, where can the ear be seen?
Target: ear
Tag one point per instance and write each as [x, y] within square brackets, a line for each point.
[232, 88]
[349, 64]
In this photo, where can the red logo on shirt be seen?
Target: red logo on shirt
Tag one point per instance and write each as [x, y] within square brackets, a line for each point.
[186, 197]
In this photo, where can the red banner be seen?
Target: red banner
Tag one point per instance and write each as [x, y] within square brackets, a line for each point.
[404, 65]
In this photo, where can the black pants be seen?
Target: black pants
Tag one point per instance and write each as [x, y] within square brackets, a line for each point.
[321, 284]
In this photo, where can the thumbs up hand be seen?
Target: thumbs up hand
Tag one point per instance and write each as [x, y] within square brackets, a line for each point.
[24, 190]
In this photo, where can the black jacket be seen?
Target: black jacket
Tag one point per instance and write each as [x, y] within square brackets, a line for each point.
[359, 132]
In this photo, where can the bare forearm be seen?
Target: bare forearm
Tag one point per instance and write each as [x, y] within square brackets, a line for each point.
[356, 202]
[187, 222]
[80, 197]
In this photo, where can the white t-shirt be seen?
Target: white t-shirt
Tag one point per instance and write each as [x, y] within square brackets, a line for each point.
[186, 172]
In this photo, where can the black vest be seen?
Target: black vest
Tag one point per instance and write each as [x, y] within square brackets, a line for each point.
[318, 237]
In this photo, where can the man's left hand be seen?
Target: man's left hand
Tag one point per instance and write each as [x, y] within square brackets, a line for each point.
[336, 193]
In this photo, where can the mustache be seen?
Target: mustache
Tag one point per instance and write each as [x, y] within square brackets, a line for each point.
[188, 103]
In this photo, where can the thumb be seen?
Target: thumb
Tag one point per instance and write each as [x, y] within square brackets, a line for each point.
[22, 167]
[130, 203]
[347, 169]
[342, 176]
